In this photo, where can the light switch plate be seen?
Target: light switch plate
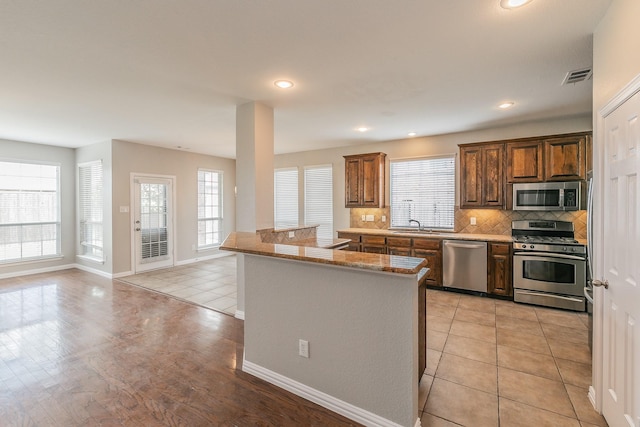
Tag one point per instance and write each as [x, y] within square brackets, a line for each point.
[473, 220]
[370, 218]
[384, 218]
[124, 209]
[292, 234]
[364, 217]
[303, 348]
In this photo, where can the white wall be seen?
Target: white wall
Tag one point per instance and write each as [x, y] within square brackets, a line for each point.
[15, 150]
[100, 151]
[137, 158]
[417, 147]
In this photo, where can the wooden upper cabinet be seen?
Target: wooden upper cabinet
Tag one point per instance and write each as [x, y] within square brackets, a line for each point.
[482, 176]
[525, 161]
[565, 158]
[364, 180]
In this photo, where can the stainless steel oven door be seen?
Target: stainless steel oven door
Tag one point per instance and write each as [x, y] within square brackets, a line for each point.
[556, 273]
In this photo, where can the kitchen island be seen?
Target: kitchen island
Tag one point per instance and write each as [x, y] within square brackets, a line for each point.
[336, 327]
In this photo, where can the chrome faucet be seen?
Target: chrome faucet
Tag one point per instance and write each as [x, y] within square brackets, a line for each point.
[416, 221]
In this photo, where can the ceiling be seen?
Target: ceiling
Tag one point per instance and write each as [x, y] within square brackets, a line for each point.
[171, 73]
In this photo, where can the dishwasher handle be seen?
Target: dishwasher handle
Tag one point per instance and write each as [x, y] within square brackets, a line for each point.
[465, 245]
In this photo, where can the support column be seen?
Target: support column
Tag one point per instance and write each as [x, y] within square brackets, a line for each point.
[254, 176]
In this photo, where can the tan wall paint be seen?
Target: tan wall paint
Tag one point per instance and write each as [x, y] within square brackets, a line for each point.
[137, 158]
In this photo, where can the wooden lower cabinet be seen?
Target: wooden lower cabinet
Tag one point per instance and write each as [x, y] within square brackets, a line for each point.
[431, 250]
[499, 269]
[399, 246]
[354, 244]
[373, 244]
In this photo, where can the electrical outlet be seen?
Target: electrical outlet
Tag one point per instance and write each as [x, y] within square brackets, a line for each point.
[384, 218]
[292, 234]
[473, 220]
[370, 218]
[303, 348]
[124, 209]
[364, 217]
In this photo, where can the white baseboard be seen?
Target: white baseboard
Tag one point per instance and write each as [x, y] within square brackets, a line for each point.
[592, 396]
[334, 404]
[94, 271]
[239, 315]
[37, 271]
[123, 274]
[204, 258]
[418, 423]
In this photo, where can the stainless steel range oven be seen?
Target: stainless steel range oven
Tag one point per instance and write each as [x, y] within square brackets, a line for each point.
[549, 265]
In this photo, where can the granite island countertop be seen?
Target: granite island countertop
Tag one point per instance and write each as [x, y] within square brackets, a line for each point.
[319, 251]
[424, 234]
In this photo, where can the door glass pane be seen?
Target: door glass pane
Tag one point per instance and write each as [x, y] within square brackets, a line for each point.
[153, 220]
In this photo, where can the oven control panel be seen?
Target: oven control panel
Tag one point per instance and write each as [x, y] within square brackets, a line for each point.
[551, 248]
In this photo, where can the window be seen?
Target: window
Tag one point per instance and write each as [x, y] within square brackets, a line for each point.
[30, 214]
[209, 208]
[90, 209]
[318, 199]
[424, 190]
[285, 197]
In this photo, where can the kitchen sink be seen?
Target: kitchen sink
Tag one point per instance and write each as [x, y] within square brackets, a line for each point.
[415, 232]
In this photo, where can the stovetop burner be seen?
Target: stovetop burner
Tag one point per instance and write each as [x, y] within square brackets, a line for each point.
[546, 240]
[545, 236]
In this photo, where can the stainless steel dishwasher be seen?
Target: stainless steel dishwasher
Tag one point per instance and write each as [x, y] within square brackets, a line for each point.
[465, 264]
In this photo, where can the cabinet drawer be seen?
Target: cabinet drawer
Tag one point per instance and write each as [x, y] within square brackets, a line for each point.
[355, 238]
[426, 243]
[373, 240]
[399, 242]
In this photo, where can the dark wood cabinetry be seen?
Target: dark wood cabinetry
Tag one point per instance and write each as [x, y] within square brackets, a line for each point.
[431, 250]
[565, 158]
[354, 244]
[399, 246]
[373, 244]
[364, 177]
[525, 161]
[482, 175]
[499, 270]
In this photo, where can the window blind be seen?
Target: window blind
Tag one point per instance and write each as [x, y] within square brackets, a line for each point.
[424, 190]
[30, 214]
[318, 199]
[90, 210]
[285, 197]
[209, 208]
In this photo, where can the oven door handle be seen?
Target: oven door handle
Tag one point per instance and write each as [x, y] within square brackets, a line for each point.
[586, 294]
[549, 255]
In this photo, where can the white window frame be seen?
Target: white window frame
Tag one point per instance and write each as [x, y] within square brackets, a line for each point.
[22, 224]
[325, 229]
[93, 250]
[203, 219]
[413, 200]
[284, 205]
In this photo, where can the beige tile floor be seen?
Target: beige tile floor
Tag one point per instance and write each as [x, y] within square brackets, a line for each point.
[497, 363]
[210, 283]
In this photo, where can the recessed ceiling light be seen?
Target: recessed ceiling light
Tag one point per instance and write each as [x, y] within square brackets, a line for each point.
[412, 134]
[505, 105]
[512, 4]
[283, 84]
[362, 129]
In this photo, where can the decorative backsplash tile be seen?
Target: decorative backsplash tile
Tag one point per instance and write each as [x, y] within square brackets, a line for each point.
[488, 221]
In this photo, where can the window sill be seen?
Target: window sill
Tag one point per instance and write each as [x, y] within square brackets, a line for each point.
[11, 263]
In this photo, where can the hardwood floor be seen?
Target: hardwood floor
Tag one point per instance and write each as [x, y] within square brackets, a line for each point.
[78, 349]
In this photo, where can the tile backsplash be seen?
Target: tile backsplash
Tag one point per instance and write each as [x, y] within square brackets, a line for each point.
[488, 221]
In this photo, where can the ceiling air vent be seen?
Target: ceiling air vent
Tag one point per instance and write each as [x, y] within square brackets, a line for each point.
[576, 76]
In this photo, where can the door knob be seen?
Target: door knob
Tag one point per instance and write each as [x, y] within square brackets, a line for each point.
[137, 229]
[600, 283]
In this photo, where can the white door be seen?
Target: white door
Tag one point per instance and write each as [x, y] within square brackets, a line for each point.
[153, 220]
[621, 250]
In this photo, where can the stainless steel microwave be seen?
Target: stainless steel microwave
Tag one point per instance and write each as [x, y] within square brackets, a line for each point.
[547, 196]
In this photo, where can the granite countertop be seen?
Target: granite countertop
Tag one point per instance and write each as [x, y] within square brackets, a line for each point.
[317, 251]
[434, 235]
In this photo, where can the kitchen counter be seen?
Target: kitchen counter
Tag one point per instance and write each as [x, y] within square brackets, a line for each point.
[319, 251]
[434, 235]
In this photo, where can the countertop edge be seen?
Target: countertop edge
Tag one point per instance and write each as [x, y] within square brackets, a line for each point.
[436, 235]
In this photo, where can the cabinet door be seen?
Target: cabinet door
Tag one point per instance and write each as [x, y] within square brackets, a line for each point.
[354, 244]
[565, 158]
[352, 174]
[524, 161]
[402, 251]
[434, 263]
[470, 182]
[492, 176]
[370, 181]
[499, 280]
